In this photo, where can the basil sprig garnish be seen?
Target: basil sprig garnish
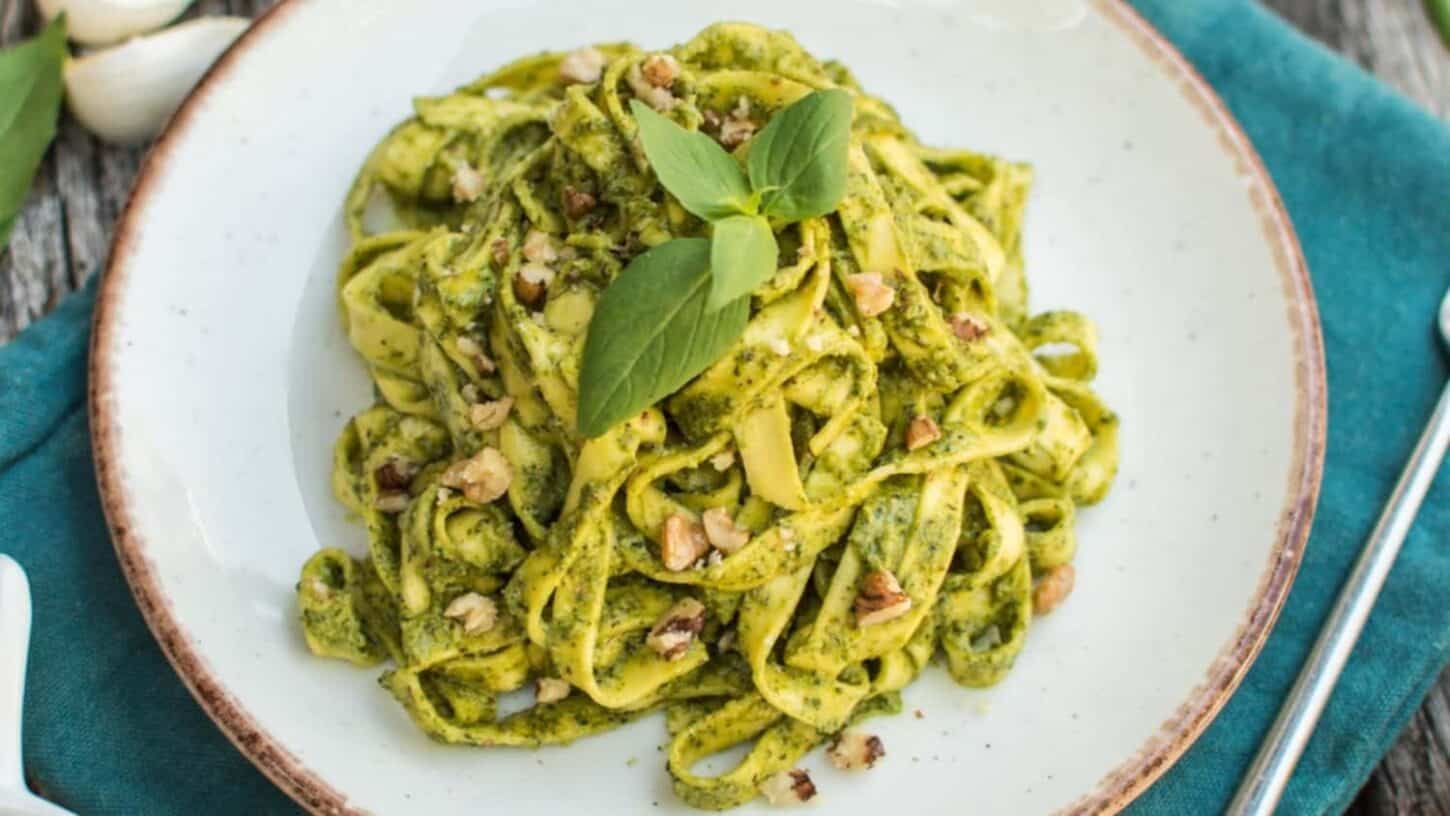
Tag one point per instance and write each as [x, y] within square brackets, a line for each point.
[678, 307]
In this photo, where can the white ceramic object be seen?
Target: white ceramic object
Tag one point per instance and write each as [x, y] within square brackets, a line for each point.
[126, 93]
[220, 377]
[15, 798]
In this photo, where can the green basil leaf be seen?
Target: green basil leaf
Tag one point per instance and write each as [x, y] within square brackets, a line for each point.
[695, 169]
[30, 93]
[798, 161]
[651, 333]
[742, 256]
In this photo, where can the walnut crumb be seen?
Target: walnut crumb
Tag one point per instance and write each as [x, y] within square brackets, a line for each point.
[660, 70]
[539, 247]
[880, 599]
[871, 295]
[467, 184]
[922, 431]
[723, 460]
[855, 750]
[500, 250]
[584, 65]
[737, 127]
[1052, 588]
[395, 474]
[483, 477]
[721, 531]
[550, 690]
[473, 350]
[477, 613]
[673, 633]
[577, 203]
[966, 327]
[531, 283]
[653, 95]
[486, 416]
[682, 543]
[789, 787]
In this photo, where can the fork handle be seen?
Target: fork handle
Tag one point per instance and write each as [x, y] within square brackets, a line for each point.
[14, 644]
[1265, 781]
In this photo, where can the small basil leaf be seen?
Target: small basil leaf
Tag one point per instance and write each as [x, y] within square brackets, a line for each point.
[742, 256]
[695, 169]
[30, 93]
[651, 333]
[798, 160]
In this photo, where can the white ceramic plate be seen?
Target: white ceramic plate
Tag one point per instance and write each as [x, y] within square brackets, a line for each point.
[220, 377]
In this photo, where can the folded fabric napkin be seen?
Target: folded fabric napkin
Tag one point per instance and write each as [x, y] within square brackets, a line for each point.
[110, 729]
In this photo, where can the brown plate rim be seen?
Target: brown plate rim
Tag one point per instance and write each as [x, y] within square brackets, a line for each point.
[1111, 794]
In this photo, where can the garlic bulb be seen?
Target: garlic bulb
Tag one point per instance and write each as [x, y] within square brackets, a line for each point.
[102, 22]
[127, 92]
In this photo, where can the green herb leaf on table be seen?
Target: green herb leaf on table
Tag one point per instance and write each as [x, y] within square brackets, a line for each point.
[692, 166]
[651, 333]
[30, 94]
[798, 161]
[742, 256]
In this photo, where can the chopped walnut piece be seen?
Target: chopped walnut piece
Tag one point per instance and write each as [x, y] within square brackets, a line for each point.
[487, 416]
[391, 501]
[683, 542]
[471, 349]
[656, 97]
[660, 70]
[482, 478]
[550, 690]
[871, 295]
[539, 247]
[922, 431]
[673, 633]
[500, 250]
[855, 750]
[583, 65]
[789, 787]
[531, 283]
[1052, 588]
[880, 599]
[467, 184]
[577, 203]
[318, 587]
[721, 531]
[395, 474]
[469, 392]
[477, 613]
[737, 127]
[966, 327]
[723, 460]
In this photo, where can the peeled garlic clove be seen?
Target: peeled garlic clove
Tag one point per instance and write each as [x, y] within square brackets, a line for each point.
[127, 92]
[102, 22]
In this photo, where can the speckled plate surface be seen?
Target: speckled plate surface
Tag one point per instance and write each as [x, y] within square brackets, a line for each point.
[220, 376]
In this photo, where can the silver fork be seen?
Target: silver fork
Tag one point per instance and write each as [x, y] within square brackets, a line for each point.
[1265, 781]
[15, 798]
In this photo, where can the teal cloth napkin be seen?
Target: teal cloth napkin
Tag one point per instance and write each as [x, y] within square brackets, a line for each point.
[1366, 177]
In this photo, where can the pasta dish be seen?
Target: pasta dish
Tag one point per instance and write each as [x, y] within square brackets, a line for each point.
[762, 513]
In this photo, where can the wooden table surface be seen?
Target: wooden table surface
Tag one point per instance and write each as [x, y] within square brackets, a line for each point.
[61, 238]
